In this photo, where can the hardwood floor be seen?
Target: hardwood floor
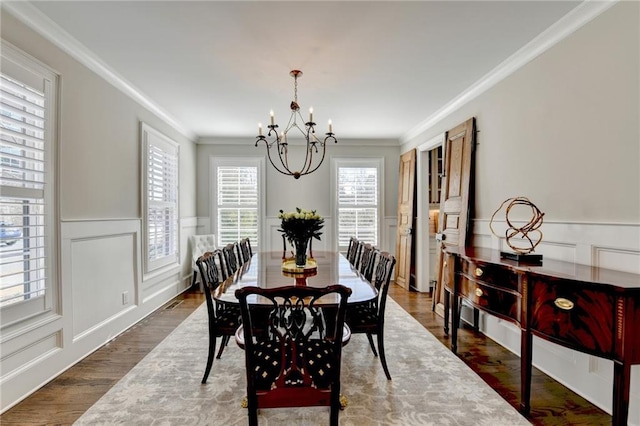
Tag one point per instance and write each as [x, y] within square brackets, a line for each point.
[63, 400]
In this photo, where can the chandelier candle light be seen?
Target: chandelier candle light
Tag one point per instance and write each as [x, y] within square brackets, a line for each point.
[309, 134]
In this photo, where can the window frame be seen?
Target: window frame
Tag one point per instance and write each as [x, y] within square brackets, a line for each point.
[48, 304]
[148, 136]
[217, 161]
[372, 162]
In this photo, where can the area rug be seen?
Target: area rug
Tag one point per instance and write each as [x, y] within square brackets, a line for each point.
[429, 386]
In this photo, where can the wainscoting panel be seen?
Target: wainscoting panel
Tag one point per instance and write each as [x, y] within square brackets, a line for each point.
[103, 279]
[613, 246]
[15, 361]
[99, 263]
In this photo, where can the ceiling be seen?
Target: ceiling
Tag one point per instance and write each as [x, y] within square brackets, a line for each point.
[377, 69]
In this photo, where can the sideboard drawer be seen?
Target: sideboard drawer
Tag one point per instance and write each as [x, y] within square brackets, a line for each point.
[489, 273]
[573, 316]
[500, 302]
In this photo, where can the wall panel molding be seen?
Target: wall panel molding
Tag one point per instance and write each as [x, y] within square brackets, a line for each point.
[40, 352]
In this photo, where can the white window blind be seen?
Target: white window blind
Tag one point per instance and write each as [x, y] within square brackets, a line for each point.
[237, 204]
[25, 184]
[162, 216]
[357, 204]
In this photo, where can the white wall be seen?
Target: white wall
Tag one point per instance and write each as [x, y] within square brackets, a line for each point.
[564, 131]
[311, 191]
[99, 211]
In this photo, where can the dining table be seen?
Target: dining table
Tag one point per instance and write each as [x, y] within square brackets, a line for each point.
[265, 269]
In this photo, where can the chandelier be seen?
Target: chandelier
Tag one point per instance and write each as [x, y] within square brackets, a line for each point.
[279, 140]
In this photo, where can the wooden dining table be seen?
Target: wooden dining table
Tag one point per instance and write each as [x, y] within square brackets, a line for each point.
[265, 270]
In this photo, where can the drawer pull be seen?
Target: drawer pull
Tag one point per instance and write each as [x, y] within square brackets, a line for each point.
[479, 272]
[564, 304]
[479, 292]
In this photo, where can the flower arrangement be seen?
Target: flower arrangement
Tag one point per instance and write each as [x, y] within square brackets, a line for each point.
[301, 224]
[298, 228]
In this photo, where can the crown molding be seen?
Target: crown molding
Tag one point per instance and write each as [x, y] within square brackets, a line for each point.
[342, 142]
[42, 24]
[568, 24]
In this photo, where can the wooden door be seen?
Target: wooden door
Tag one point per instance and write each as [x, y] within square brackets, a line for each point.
[456, 199]
[404, 233]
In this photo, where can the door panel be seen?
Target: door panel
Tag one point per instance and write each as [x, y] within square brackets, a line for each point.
[456, 196]
[404, 236]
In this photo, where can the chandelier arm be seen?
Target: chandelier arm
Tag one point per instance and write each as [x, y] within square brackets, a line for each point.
[273, 164]
[311, 145]
[284, 172]
[324, 150]
[269, 145]
[283, 146]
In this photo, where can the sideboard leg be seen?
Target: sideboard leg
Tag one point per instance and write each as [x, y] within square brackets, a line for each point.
[446, 311]
[455, 322]
[526, 342]
[621, 378]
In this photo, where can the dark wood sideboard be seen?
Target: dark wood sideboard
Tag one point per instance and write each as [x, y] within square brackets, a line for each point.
[588, 309]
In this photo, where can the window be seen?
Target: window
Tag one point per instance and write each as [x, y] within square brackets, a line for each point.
[357, 200]
[27, 231]
[161, 199]
[237, 200]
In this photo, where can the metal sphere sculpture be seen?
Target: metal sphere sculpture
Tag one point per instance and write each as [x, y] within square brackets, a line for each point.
[529, 233]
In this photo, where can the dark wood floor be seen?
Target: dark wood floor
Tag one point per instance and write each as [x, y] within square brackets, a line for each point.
[63, 400]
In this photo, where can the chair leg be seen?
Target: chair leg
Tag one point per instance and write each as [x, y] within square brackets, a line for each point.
[373, 347]
[212, 351]
[194, 279]
[252, 410]
[335, 406]
[383, 359]
[223, 343]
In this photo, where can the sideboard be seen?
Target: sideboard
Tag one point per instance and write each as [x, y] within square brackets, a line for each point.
[588, 309]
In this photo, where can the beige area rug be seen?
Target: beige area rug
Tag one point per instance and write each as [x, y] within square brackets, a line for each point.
[430, 385]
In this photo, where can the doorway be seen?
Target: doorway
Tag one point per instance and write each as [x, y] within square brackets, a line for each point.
[429, 165]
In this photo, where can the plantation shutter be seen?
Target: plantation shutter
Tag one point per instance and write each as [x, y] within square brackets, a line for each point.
[237, 204]
[25, 187]
[162, 200]
[357, 204]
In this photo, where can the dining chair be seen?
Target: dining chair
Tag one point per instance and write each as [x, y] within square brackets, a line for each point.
[239, 255]
[224, 318]
[353, 250]
[199, 245]
[230, 258]
[368, 317]
[245, 249]
[293, 346]
[366, 261]
[361, 245]
[221, 263]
